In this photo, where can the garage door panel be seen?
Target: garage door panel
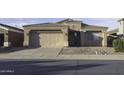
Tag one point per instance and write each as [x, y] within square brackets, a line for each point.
[34, 39]
[51, 39]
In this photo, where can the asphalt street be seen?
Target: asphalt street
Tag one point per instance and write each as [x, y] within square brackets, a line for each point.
[61, 67]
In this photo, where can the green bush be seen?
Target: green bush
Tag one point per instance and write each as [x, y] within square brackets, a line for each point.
[118, 45]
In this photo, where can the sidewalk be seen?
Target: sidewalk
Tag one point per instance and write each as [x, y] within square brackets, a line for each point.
[92, 57]
[66, 57]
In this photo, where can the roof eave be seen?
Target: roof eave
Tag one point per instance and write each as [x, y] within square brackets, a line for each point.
[44, 25]
[96, 26]
[122, 19]
[11, 27]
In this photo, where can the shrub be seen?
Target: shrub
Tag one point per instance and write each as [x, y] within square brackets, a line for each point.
[118, 45]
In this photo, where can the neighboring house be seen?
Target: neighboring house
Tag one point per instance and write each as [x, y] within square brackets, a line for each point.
[11, 36]
[116, 33]
[68, 33]
[111, 35]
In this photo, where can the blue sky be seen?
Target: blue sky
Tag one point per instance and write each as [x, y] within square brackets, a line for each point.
[108, 22]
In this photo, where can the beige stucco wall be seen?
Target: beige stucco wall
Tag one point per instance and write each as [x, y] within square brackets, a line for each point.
[121, 28]
[104, 42]
[26, 37]
[73, 25]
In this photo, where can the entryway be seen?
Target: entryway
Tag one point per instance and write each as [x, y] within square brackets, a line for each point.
[1, 40]
[74, 39]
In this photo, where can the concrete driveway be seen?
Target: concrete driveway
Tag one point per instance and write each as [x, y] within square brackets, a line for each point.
[61, 67]
[30, 52]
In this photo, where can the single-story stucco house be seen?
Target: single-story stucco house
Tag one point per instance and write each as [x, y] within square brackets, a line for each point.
[65, 33]
[11, 36]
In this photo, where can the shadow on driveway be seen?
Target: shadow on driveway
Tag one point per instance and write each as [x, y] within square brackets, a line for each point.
[14, 49]
[52, 67]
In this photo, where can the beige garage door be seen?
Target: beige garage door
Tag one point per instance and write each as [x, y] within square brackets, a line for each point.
[46, 39]
[51, 39]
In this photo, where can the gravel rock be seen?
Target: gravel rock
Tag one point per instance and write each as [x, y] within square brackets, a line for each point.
[89, 51]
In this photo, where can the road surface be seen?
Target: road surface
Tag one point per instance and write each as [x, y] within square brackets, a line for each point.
[61, 67]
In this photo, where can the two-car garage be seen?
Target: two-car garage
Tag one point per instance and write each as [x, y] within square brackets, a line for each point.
[46, 38]
[45, 35]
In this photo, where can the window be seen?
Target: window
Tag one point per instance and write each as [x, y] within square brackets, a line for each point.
[93, 36]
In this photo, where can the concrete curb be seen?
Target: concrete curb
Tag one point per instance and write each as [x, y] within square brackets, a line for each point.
[68, 57]
[93, 57]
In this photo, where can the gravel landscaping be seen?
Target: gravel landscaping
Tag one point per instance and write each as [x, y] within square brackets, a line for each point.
[89, 51]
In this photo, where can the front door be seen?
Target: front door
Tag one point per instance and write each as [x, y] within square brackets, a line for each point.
[74, 39]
